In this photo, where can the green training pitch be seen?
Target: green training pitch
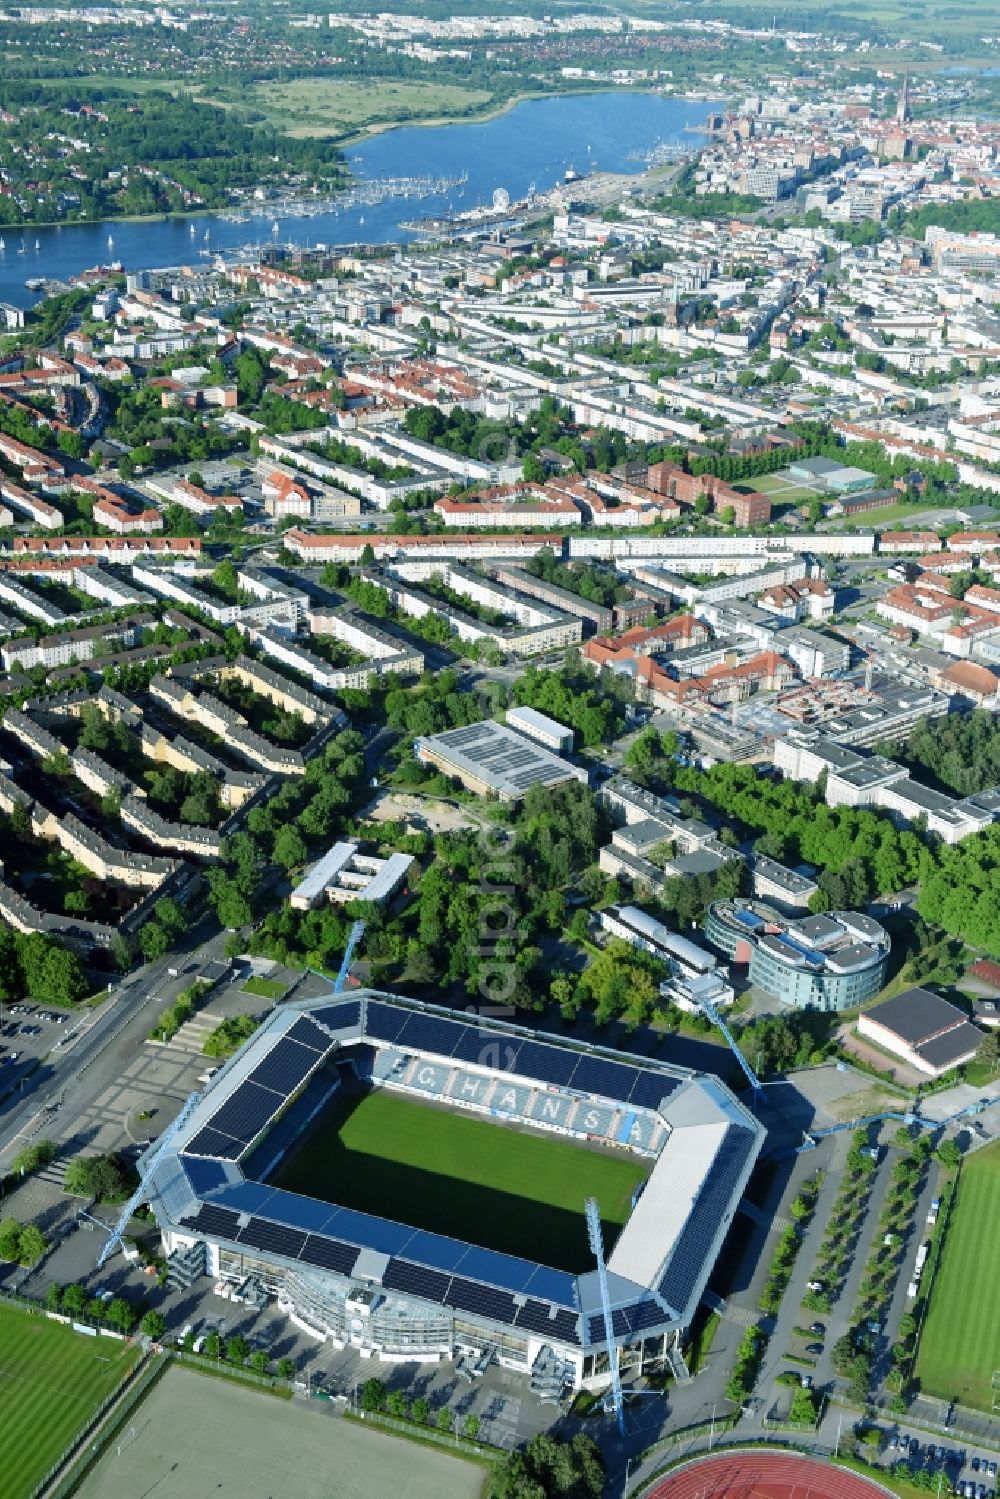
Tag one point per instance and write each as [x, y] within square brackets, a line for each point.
[505, 1189]
[51, 1379]
[960, 1344]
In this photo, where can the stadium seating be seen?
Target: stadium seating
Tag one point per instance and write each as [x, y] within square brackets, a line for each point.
[390, 1064]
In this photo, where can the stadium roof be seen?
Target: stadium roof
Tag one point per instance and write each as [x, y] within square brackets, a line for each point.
[663, 1255]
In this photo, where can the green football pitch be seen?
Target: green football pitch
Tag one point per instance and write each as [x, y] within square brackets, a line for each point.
[51, 1379]
[517, 1192]
[960, 1344]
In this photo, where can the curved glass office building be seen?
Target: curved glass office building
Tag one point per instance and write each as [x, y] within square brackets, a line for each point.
[832, 961]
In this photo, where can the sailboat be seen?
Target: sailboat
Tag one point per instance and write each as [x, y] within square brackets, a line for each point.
[191, 231]
[22, 248]
[111, 243]
[3, 245]
[37, 246]
[275, 227]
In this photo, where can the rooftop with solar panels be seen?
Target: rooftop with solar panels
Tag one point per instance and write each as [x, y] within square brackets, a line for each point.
[686, 1144]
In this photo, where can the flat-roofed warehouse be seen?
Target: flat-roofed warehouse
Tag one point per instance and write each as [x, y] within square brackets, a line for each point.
[922, 1029]
[491, 759]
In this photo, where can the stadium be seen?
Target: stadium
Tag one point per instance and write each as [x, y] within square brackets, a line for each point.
[410, 1181]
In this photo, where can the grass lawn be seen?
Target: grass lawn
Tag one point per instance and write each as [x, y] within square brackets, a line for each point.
[327, 107]
[511, 1190]
[263, 988]
[960, 1344]
[51, 1379]
[887, 513]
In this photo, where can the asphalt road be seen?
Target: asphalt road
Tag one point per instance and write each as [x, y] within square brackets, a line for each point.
[75, 1074]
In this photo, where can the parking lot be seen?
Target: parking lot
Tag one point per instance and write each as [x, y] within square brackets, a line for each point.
[28, 1032]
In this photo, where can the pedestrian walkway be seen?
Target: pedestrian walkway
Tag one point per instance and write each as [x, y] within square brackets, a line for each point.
[742, 1316]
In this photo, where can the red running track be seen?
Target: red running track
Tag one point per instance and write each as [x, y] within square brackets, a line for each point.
[758, 1474]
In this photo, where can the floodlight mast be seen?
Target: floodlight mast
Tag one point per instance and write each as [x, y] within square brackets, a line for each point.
[596, 1237]
[166, 1140]
[354, 937]
[715, 1017]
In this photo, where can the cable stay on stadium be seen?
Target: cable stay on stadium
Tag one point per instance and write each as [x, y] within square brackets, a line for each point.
[139, 1195]
[596, 1237]
[713, 1015]
[353, 938]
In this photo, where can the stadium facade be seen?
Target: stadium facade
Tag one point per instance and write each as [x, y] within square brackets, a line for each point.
[400, 1293]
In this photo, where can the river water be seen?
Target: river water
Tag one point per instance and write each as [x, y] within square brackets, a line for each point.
[534, 142]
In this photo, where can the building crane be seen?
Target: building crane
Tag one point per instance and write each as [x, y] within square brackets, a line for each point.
[139, 1195]
[596, 1237]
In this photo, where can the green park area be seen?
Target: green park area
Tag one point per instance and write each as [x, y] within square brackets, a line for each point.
[510, 1190]
[51, 1380]
[960, 1344]
[327, 107]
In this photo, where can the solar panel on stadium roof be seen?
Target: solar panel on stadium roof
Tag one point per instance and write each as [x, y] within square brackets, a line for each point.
[272, 1238]
[536, 1317]
[547, 1064]
[434, 1250]
[414, 1280]
[214, 1221]
[307, 1033]
[694, 1243]
[646, 1314]
[246, 1197]
[328, 1254]
[245, 1113]
[496, 1269]
[342, 1017]
[298, 1212]
[285, 1067]
[565, 1327]
[429, 1033]
[481, 1301]
[384, 1022]
[609, 1079]
[620, 1327]
[371, 1232]
[213, 1142]
[650, 1088]
[205, 1176]
[474, 1044]
[553, 1285]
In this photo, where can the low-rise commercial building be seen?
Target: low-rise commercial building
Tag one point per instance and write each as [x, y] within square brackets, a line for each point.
[546, 731]
[923, 1030]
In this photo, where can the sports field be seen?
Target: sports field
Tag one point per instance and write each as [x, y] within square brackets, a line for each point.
[517, 1192]
[51, 1379]
[194, 1436]
[960, 1344]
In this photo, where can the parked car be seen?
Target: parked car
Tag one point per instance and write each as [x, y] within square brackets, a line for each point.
[817, 1328]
